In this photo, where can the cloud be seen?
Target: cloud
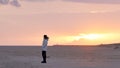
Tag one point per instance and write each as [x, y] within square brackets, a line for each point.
[12, 2]
[4, 2]
[38, 0]
[15, 3]
[97, 1]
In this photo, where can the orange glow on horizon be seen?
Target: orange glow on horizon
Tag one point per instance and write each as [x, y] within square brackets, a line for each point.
[87, 39]
[89, 36]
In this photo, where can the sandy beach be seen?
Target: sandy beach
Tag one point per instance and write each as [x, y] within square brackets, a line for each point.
[60, 57]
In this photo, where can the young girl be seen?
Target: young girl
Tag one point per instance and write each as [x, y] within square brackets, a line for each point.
[44, 48]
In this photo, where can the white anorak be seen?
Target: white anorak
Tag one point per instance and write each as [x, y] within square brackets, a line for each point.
[44, 45]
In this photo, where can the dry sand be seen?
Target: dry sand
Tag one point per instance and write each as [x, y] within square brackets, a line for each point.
[60, 57]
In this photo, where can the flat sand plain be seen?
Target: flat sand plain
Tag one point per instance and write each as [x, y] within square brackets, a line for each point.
[60, 57]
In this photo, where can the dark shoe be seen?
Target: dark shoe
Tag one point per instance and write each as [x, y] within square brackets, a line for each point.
[43, 62]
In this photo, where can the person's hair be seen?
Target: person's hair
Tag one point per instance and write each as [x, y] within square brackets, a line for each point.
[46, 37]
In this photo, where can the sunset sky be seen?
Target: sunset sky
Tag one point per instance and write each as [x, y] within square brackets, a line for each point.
[73, 22]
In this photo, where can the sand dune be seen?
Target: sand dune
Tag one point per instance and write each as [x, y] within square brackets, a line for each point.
[60, 57]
